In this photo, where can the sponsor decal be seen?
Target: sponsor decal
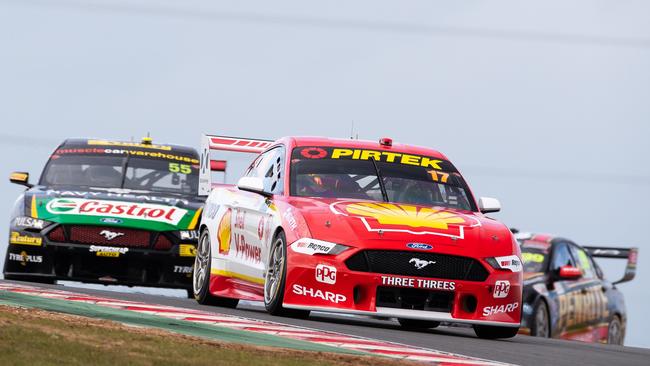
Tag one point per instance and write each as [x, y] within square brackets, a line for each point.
[183, 269]
[500, 309]
[117, 193]
[149, 154]
[25, 258]
[128, 144]
[582, 306]
[103, 251]
[129, 210]
[420, 263]
[246, 250]
[260, 228]
[110, 235]
[529, 257]
[419, 246]
[16, 238]
[511, 262]
[386, 156]
[418, 283]
[312, 246]
[313, 153]
[187, 250]
[30, 222]
[501, 289]
[110, 220]
[326, 274]
[291, 220]
[393, 217]
[318, 294]
[224, 232]
[191, 235]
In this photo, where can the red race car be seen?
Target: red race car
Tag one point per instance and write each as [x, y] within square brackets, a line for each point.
[356, 227]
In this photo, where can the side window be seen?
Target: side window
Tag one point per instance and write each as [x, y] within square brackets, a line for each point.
[274, 168]
[561, 257]
[269, 166]
[585, 262]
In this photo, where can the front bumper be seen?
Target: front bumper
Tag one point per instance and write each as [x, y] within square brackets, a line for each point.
[324, 282]
[101, 264]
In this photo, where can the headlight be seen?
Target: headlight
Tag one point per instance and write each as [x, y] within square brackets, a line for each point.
[189, 235]
[313, 246]
[510, 262]
[26, 222]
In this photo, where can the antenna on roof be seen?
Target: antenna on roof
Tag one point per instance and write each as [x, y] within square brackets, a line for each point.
[352, 131]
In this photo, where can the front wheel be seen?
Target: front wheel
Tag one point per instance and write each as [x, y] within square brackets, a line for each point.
[615, 331]
[275, 280]
[540, 326]
[201, 276]
[417, 324]
[492, 332]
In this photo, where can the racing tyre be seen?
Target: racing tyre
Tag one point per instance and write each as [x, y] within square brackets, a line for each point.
[540, 326]
[615, 331]
[417, 324]
[201, 276]
[275, 280]
[492, 332]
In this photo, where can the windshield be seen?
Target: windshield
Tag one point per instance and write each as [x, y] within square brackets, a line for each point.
[352, 173]
[122, 171]
[535, 256]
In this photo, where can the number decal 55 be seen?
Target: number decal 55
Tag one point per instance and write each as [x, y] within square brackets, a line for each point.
[180, 168]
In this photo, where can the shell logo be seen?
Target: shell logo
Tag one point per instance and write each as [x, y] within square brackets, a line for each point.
[223, 233]
[406, 218]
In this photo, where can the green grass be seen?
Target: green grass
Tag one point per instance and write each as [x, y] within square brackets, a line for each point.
[34, 337]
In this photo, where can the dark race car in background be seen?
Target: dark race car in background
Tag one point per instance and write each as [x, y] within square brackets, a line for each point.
[566, 294]
[108, 212]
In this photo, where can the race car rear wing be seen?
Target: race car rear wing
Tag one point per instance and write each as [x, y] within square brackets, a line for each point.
[620, 253]
[211, 143]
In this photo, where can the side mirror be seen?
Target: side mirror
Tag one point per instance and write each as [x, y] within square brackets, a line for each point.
[570, 273]
[252, 184]
[488, 204]
[21, 178]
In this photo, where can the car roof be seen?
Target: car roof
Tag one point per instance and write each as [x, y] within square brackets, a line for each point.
[364, 144]
[154, 146]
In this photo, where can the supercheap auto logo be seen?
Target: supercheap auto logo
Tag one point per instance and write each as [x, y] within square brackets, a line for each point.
[393, 217]
[130, 210]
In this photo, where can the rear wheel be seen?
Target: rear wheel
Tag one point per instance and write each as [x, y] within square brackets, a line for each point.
[615, 331]
[275, 280]
[201, 276]
[492, 332]
[417, 324]
[540, 326]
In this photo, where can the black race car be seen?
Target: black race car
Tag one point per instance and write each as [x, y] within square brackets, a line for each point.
[565, 293]
[109, 212]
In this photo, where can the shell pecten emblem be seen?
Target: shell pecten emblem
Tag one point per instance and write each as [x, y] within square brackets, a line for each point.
[223, 233]
[413, 219]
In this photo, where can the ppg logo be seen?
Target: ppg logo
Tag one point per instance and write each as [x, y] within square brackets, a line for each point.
[326, 274]
[501, 289]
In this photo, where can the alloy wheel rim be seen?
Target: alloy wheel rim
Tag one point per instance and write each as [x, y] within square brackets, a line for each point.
[274, 271]
[201, 264]
[613, 333]
[541, 322]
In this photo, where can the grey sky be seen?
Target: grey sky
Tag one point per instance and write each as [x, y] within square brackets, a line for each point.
[543, 104]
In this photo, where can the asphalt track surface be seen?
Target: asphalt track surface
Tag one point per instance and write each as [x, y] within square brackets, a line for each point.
[520, 350]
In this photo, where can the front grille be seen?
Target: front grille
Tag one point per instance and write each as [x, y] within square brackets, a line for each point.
[414, 299]
[405, 264]
[103, 236]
